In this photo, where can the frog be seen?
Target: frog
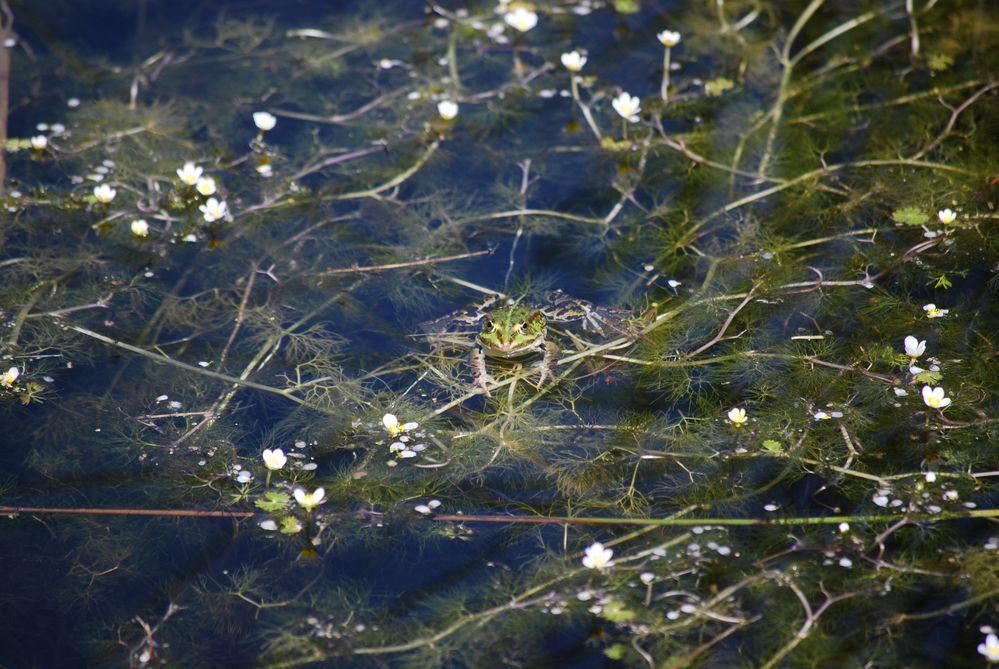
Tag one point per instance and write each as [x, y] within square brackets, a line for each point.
[514, 331]
[511, 333]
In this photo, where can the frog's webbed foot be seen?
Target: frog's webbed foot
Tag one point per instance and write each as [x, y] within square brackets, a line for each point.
[548, 361]
[482, 376]
[593, 321]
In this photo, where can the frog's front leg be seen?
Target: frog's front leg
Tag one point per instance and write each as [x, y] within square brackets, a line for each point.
[482, 376]
[549, 359]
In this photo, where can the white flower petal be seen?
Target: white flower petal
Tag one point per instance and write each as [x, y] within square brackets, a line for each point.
[521, 18]
[448, 109]
[264, 120]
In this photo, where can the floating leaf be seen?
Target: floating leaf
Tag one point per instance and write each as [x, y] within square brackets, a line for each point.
[616, 651]
[627, 6]
[928, 378]
[17, 144]
[617, 612]
[939, 62]
[273, 501]
[717, 86]
[290, 525]
[772, 446]
[910, 216]
[612, 144]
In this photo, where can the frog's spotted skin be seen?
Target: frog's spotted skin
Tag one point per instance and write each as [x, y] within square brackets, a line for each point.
[563, 308]
[511, 332]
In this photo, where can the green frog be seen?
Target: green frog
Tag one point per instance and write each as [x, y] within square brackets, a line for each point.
[512, 333]
[517, 331]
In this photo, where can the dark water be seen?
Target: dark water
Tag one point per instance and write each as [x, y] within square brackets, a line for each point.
[763, 239]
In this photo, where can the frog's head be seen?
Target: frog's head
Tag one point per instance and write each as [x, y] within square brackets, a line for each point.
[513, 331]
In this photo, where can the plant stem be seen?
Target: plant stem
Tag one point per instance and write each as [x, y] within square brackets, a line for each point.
[664, 90]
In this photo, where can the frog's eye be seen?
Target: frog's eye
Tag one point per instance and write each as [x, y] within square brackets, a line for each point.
[521, 327]
[491, 326]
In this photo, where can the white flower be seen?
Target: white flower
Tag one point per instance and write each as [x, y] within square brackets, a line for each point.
[495, 33]
[990, 647]
[213, 209]
[268, 525]
[104, 193]
[946, 216]
[205, 186]
[737, 416]
[264, 120]
[448, 109]
[394, 428]
[932, 311]
[934, 397]
[275, 459]
[668, 38]
[140, 228]
[573, 61]
[646, 577]
[821, 415]
[265, 170]
[627, 106]
[189, 173]
[39, 142]
[598, 557]
[309, 500]
[521, 18]
[402, 450]
[8, 378]
[913, 347]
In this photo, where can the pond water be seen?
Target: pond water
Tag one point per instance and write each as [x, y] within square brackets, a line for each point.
[576, 333]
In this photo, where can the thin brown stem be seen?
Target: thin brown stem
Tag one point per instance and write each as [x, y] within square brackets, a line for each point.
[403, 265]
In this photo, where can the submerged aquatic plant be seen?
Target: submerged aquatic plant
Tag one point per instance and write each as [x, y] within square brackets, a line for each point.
[569, 325]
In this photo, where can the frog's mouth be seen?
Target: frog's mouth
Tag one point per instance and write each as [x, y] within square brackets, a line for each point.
[501, 354]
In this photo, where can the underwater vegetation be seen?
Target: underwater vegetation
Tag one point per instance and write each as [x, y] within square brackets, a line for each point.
[568, 333]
